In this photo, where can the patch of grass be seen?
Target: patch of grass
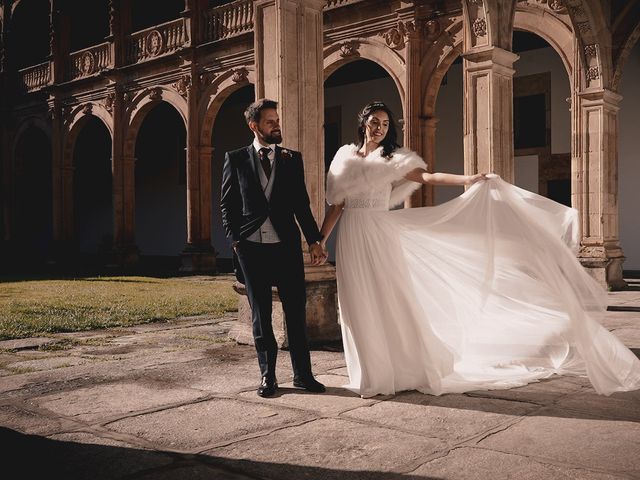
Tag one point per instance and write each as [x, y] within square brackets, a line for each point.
[40, 306]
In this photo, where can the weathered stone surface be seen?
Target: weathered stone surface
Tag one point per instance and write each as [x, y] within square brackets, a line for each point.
[194, 427]
[27, 421]
[102, 402]
[479, 464]
[452, 418]
[576, 440]
[25, 343]
[74, 456]
[193, 472]
[544, 392]
[337, 447]
[335, 400]
[618, 406]
[49, 363]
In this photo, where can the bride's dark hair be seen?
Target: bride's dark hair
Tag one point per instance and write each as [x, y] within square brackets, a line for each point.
[389, 143]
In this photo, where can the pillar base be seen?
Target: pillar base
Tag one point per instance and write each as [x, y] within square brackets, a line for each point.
[198, 259]
[124, 256]
[604, 265]
[322, 310]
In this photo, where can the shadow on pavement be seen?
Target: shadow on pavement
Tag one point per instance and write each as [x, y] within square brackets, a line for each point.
[31, 457]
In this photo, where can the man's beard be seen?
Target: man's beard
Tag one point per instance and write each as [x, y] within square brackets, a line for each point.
[272, 138]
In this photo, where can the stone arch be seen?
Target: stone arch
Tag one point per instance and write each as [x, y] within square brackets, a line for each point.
[341, 53]
[555, 32]
[590, 27]
[215, 95]
[625, 51]
[77, 119]
[34, 121]
[142, 103]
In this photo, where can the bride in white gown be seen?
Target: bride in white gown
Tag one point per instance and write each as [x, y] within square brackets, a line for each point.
[482, 292]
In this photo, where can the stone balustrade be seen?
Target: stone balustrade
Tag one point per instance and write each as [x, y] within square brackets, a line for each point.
[228, 20]
[88, 61]
[36, 77]
[157, 40]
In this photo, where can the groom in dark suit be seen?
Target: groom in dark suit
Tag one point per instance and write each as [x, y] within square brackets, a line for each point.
[263, 194]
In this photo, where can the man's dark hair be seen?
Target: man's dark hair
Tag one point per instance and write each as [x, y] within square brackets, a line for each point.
[253, 111]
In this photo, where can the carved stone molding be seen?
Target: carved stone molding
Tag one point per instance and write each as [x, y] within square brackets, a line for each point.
[593, 73]
[109, 101]
[128, 96]
[475, 2]
[479, 27]
[577, 11]
[591, 50]
[66, 113]
[349, 49]
[183, 85]
[87, 63]
[240, 75]
[87, 109]
[396, 37]
[154, 42]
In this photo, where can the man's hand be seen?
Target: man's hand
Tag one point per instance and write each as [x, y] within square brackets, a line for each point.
[318, 255]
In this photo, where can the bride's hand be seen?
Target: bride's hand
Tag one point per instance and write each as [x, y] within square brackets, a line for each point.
[478, 177]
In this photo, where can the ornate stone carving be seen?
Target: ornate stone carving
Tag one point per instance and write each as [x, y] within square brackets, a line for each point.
[87, 63]
[593, 73]
[396, 37]
[577, 11]
[475, 2]
[113, 16]
[87, 108]
[109, 101]
[66, 113]
[584, 27]
[128, 96]
[591, 50]
[432, 29]
[206, 78]
[349, 49]
[154, 42]
[154, 93]
[479, 27]
[240, 75]
[557, 6]
[183, 85]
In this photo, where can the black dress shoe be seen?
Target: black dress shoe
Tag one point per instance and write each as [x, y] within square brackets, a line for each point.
[309, 384]
[268, 387]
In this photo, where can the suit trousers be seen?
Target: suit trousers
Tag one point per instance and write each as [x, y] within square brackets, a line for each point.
[281, 265]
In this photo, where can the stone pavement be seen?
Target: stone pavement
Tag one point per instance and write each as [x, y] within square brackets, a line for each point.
[177, 401]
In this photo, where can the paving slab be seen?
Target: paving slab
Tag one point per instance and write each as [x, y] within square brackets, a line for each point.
[75, 456]
[479, 464]
[196, 426]
[576, 440]
[452, 418]
[103, 402]
[339, 447]
[335, 400]
[28, 421]
[544, 392]
[618, 406]
[25, 343]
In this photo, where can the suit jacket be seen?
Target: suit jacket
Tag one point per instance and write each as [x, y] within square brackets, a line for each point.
[245, 207]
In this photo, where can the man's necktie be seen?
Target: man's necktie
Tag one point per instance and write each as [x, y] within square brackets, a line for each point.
[264, 161]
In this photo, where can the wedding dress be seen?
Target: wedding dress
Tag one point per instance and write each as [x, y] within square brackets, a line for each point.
[482, 292]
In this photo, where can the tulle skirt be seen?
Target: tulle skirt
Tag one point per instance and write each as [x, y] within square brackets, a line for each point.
[482, 292]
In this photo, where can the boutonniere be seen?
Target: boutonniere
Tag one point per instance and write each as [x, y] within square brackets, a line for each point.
[285, 154]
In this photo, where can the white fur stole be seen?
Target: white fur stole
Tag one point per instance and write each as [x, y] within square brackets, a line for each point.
[351, 174]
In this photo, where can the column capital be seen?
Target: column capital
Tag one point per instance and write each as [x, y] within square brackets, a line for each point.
[600, 96]
[495, 55]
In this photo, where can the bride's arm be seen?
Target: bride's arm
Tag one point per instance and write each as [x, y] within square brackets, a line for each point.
[330, 219]
[420, 175]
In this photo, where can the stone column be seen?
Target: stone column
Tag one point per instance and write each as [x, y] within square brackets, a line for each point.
[289, 68]
[488, 111]
[412, 107]
[198, 254]
[429, 125]
[595, 183]
[125, 251]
